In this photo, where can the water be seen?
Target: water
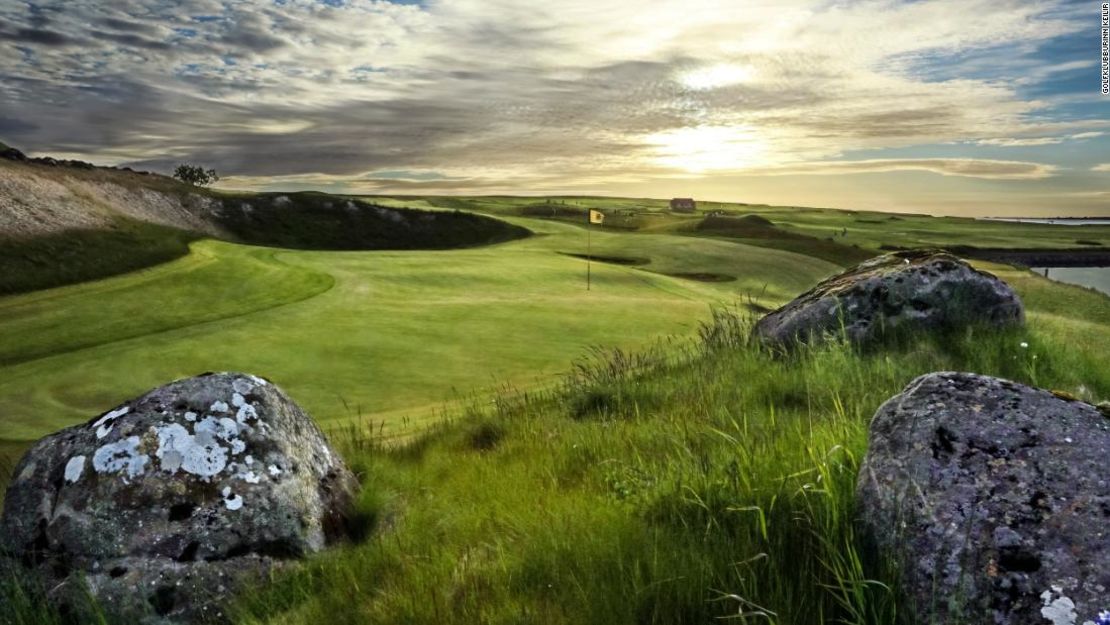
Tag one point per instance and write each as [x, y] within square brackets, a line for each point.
[1094, 277]
[1056, 222]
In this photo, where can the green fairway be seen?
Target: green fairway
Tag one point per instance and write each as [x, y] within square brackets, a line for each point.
[678, 481]
[381, 335]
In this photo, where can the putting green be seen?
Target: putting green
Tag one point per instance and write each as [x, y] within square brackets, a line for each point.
[385, 336]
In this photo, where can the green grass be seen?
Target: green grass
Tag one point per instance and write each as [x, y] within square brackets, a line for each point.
[868, 230]
[384, 335]
[760, 231]
[670, 481]
[79, 255]
[689, 483]
[698, 480]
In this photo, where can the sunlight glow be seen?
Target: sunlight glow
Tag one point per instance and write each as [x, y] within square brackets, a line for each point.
[708, 148]
[716, 76]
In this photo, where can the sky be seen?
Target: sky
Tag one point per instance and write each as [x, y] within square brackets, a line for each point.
[967, 107]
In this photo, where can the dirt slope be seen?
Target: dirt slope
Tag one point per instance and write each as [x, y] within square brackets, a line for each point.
[38, 200]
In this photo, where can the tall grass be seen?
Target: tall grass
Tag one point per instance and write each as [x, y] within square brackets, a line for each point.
[696, 481]
[683, 484]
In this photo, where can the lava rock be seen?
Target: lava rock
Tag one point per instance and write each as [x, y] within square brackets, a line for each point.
[164, 504]
[993, 498]
[904, 290]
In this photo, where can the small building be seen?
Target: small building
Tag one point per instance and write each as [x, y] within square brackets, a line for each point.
[683, 205]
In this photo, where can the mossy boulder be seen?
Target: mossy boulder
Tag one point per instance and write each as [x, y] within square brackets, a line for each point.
[909, 290]
[993, 500]
[165, 503]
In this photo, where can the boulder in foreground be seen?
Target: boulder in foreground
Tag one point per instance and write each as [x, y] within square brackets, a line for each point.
[994, 500]
[918, 290]
[167, 502]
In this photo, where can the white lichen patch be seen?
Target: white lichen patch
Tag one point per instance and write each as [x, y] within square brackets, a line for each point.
[190, 416]
[237, 399]
[232, 502]
[242, 386]
[274, 471]
[259, 381]
[245, 413]
[121, 456]
[1059, 610]
[74, 468]
[198, 453]
[218, 406]
[104, 424]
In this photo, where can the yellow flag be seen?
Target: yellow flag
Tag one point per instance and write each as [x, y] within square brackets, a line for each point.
[596, 217]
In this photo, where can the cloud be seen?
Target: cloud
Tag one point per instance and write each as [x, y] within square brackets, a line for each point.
[1009, 142]
[572, 94]
[968, 167]
[1101, 167]
[37, 36]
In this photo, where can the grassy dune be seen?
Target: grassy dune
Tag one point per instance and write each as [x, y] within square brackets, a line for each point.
[669, 481]
[78, 255]
[681, 485]
[381, 335]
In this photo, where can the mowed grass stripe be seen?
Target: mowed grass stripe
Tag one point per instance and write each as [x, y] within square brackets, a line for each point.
[399, 332]
[216, 281]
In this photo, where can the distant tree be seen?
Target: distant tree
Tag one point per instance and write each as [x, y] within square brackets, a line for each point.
[195, 175]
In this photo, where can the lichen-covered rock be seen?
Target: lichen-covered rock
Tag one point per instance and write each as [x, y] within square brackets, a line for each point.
[903, 290]
[994, 500]
[163, 504]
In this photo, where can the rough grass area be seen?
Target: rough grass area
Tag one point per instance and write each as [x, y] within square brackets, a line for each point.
[760, 231]
[700, 479]
[679, 485]
[81, 255]
[697, 478]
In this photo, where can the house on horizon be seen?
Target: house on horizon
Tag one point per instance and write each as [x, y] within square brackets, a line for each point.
[683, 205]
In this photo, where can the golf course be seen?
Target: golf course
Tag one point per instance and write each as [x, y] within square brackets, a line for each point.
[531, 450]
[371, 335]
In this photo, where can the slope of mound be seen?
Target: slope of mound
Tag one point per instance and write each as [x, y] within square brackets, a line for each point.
[319, 221]
[63, 222]
[758, 230]
[745, 226]
[75, 255]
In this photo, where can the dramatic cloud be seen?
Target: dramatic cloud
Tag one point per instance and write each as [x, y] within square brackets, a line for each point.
[473, 95]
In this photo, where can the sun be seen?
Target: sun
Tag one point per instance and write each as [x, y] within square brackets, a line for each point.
[716, 76]
[707, 148]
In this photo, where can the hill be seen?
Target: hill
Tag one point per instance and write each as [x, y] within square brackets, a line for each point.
[676, 474]
[63, 222]
[690, 481]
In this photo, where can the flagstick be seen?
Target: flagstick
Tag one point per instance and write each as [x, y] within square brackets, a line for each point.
[589, 226]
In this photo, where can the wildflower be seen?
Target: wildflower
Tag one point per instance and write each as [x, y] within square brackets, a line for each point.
[1024, 345]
